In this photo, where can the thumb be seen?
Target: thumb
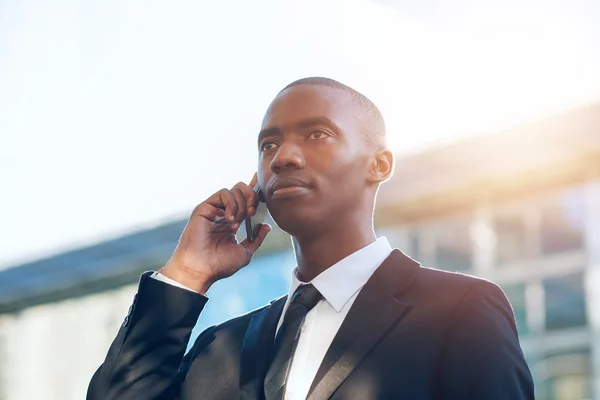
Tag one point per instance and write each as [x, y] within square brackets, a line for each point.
[263, 230]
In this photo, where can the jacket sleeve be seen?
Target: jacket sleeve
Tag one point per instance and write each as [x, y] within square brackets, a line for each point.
[144, 358]
[483, 358]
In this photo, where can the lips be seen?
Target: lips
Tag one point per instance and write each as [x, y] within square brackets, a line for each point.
[283, 183]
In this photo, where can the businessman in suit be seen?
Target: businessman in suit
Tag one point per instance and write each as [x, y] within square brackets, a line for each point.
[360, 321]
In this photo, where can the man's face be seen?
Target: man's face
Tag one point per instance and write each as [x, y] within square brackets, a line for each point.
[313, 158]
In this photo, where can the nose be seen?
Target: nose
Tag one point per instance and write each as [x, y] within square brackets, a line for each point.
[288, 156]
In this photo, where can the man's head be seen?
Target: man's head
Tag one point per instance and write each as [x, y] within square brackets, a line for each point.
[328, 139]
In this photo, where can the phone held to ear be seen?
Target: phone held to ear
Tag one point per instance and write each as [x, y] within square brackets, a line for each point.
[250, 225]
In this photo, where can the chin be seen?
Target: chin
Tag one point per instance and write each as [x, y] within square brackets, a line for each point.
[296, 222]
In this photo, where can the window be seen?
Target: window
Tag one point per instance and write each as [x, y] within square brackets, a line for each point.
[511, 236]
[562, 222]
[565, 387]
[516, 296]
[397, 235]
[571, 387]
[414, 250]
[565, 376]
[564, 302]
[452, 244]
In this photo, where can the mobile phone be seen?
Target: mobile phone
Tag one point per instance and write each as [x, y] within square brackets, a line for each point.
[250, 228]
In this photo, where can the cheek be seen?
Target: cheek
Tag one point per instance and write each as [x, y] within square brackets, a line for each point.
[345, 176]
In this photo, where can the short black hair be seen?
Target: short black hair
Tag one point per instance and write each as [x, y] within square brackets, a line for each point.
[371, 116]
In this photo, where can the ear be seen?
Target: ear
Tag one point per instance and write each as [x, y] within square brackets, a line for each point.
[382, 166]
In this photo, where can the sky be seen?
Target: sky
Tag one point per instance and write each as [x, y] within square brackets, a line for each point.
[118, 116]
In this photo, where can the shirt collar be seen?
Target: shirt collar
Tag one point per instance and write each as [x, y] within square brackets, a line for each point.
[343, 279]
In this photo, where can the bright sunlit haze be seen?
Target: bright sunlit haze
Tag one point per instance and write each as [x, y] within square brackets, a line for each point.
[117, 116]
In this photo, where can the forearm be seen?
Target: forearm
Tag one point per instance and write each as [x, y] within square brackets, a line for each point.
[144, 358]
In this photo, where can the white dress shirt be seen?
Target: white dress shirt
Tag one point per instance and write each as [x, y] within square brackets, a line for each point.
[166, 279]
[340, 284]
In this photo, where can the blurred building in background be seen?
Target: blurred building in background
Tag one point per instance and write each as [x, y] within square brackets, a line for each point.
[520, 207]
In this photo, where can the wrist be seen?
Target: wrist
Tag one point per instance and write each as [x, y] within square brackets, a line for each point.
[198, 282]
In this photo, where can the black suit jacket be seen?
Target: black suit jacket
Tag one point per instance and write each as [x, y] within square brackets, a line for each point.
[412, 333]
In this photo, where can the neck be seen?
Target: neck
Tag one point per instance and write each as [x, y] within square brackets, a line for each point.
[317, 252]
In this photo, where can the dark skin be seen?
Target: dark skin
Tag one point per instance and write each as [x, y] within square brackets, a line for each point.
[319, 177]
[318, 139]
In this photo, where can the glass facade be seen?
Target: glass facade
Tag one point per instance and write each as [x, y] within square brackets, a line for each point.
[516, 295]
[443, 244]
[565, 376]
[564, 302]
[452, 244]
[536, 227]
[562, 222]
[414, 245]
[549, 301]
[510, 230]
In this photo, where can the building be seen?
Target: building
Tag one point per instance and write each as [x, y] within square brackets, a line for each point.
[520, 207]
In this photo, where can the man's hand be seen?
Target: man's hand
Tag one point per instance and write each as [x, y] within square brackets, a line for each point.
[208, 250]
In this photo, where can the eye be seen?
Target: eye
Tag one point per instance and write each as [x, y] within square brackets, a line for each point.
[318, 135]
[267, 146]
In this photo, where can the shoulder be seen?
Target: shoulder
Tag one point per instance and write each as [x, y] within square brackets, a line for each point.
[468, 298]
[454, 290]
[456, 283]
[477, 324]
[433, 289]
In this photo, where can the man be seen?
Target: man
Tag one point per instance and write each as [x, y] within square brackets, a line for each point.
[361, 320]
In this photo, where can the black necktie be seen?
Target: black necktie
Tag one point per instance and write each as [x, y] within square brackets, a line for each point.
[303, 300]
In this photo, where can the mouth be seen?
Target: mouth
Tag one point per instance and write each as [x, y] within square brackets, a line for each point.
[288, 187]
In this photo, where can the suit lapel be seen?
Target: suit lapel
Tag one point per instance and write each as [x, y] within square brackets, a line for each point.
[375, 311]
[256, 345]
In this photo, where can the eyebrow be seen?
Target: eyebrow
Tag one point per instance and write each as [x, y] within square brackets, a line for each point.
[302, 124]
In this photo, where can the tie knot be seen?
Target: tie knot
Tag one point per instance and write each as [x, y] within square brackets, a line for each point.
[306, 295]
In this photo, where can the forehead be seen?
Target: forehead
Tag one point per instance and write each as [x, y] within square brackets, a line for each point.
[305, 101]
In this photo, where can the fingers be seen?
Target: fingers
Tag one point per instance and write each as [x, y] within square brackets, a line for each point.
[240, 199]
[253, 181]
[237, 203]
[250, 197]
[209, 212]
[262, 233]
[227, 200]
[223, 200]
